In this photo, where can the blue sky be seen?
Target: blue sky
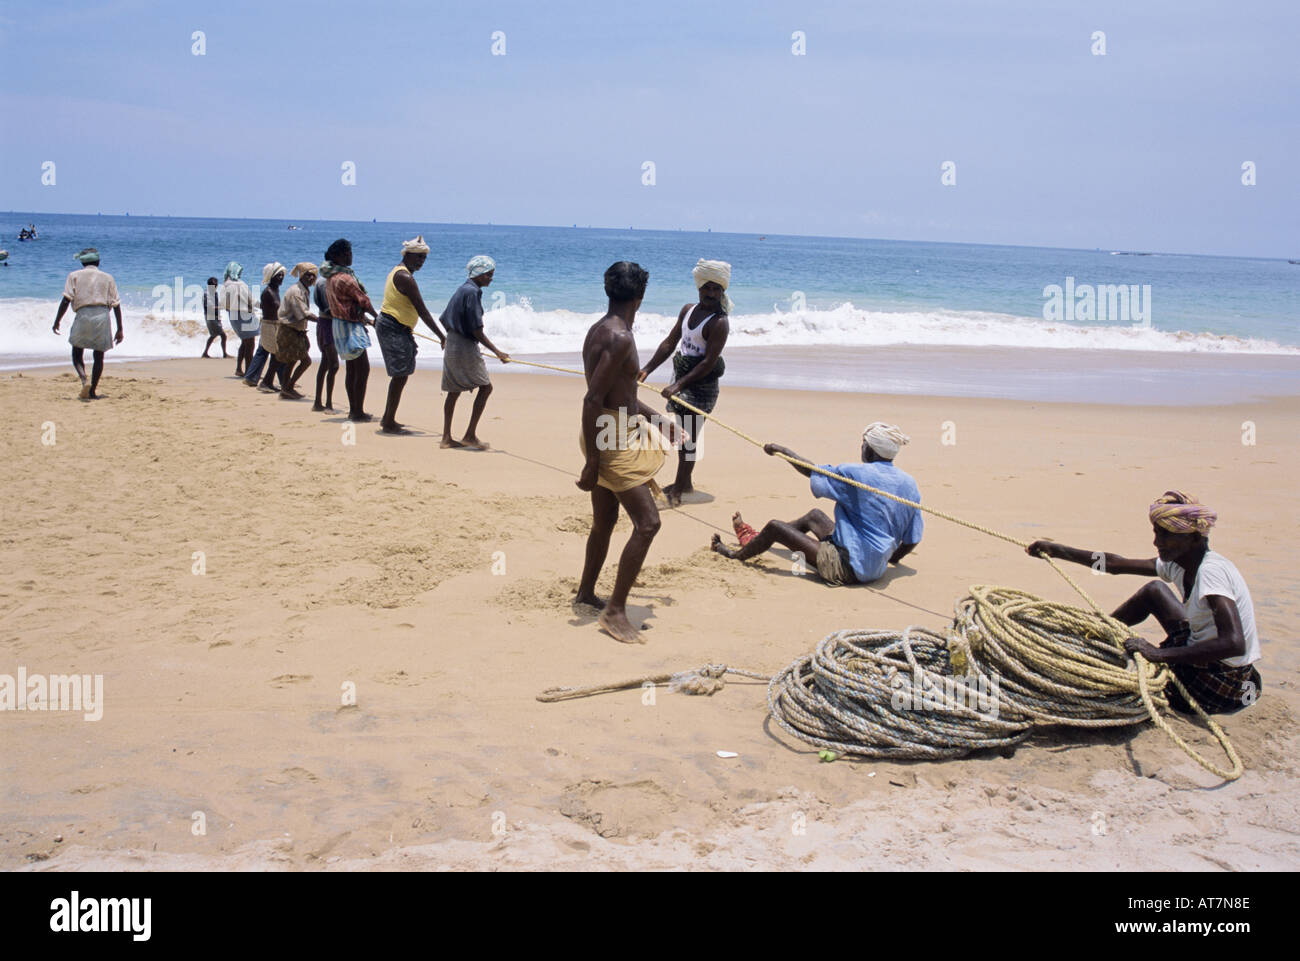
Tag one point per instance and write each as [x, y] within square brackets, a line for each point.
[1140, 149]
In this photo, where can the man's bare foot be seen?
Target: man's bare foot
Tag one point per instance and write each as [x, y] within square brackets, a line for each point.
[361, 418]
[474, 443]
[450, 442]
[590, 600]
[736, 521]
[717, 545]
[619, 627]
[317, 408]
[85, 391]
[393, 428]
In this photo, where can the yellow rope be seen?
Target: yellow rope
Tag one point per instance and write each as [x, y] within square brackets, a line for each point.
[1117, 631]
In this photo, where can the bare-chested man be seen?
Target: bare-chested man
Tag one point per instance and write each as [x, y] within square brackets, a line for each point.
[623, 451]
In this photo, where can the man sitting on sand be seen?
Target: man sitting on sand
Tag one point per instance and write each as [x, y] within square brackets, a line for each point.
[395, 330]
[623, 453]
[1211, 644]
[701, 330]
[91, 293]
[462, 364]
[869, 532]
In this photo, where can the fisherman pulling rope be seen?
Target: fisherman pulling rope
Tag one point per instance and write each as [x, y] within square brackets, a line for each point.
[1107, 629]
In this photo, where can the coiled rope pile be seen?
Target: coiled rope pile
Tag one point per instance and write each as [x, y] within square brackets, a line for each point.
[1060, 665]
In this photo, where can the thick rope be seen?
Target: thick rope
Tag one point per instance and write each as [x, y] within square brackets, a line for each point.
[1010, 664]
[1116, 630]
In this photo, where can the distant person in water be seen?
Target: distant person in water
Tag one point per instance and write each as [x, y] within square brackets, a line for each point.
[462, 364]
[622, 452]
[91, 293]
[329, 355]
[352, 311]
[272, 277]
[292, 343]
[237, 301]
[869, 532]
[395, 330]
[701, 331]
[212, 316]
[1211, 644]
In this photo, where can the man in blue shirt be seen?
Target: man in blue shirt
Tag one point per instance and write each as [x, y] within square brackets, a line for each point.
[869, 532]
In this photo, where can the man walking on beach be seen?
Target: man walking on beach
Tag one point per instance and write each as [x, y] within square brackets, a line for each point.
[462, 364]
[91, 293]
[622, 452]
[395, 330]
[702, 331]
[212, 316]
[868, 533]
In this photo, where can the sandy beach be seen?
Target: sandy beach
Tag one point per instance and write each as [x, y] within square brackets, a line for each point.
[438, 584]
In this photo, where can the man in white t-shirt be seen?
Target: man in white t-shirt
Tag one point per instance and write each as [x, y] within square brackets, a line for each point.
[92, 294]
[1211, 645]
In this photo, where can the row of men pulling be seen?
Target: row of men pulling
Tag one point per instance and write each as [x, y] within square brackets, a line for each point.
[345, 313]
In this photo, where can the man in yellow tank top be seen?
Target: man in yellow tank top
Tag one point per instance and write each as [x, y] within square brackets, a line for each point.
[395, 330]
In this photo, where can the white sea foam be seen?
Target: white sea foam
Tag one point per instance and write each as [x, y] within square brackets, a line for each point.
[517, 328]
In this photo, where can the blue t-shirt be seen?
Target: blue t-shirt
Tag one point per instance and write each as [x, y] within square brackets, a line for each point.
[869, 527]
[464, 312]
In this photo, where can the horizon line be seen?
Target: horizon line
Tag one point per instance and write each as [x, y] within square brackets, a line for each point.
[663, 230]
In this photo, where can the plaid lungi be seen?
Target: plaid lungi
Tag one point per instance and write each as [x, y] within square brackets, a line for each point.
[1218, 688]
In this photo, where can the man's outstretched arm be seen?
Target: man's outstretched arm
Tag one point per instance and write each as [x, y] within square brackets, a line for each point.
[1106, 563]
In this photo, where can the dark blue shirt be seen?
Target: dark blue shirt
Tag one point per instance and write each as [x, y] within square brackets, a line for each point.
[464, 312]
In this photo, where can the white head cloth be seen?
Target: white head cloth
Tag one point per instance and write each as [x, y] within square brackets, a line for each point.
[480, 265]
[718, 271]
[270, 270]
[416, 246]
[884, 439]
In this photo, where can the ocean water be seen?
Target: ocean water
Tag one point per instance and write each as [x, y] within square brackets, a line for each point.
[788, 291]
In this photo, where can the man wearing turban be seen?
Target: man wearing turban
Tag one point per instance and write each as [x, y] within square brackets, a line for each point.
[403, 307]
[462, 363]
[1211, 644]
[698, 336]
[268, 351]
[91, 293]
[237, 301]
[868, 533]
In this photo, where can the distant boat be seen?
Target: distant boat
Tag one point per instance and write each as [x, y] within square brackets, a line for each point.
[762, 238]
[293, 227]
[1293, 261]
[4, 255]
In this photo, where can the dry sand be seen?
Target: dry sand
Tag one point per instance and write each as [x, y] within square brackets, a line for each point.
[373, 564]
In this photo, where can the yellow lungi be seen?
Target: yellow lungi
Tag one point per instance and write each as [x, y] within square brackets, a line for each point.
[631, 450]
